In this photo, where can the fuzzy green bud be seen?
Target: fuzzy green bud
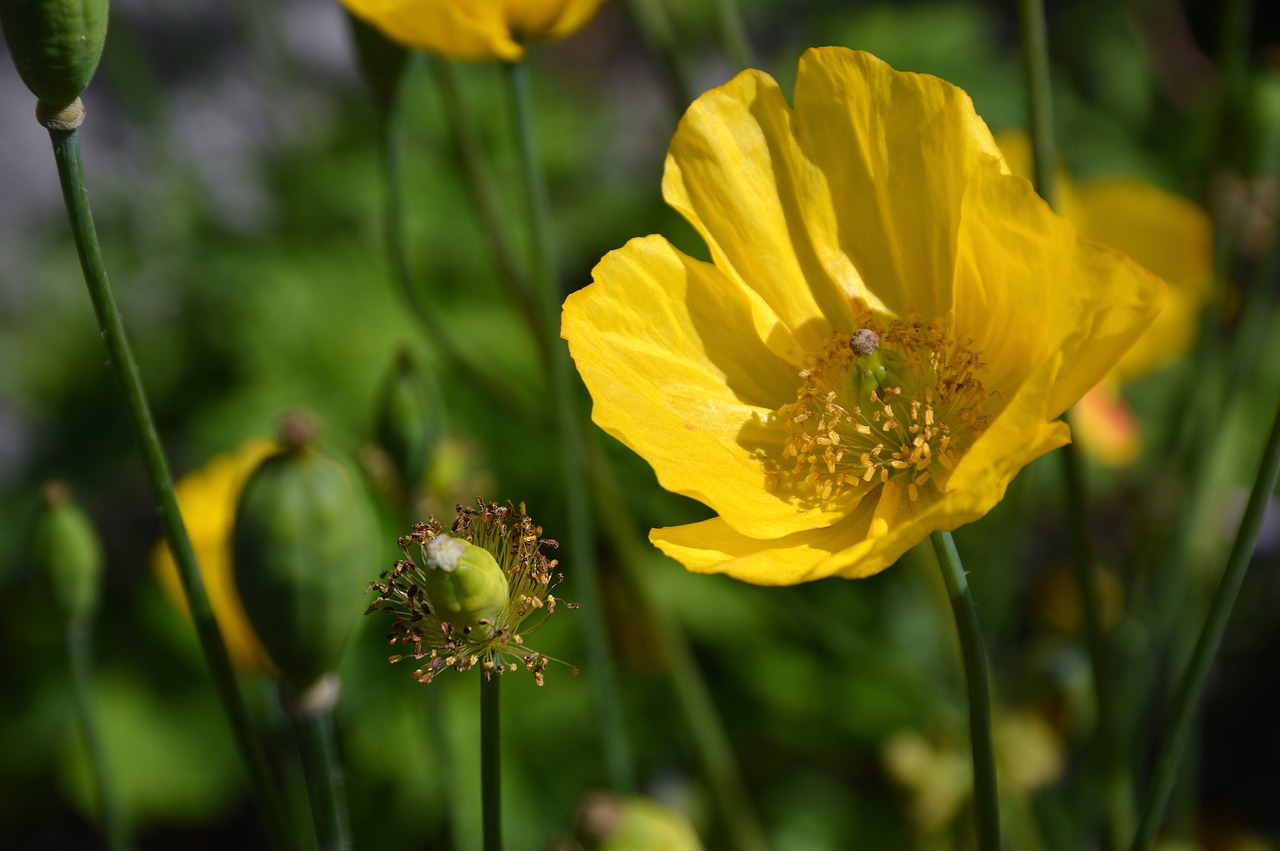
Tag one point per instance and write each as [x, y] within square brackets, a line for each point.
[465, 585]
[66, 550]
[56, 45]
[301, 543]
[408, 425]
[874, 369]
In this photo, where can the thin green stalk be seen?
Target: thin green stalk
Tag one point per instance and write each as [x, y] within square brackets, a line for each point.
[711, 743]
[733, 32]
[66, 151]
[1224, 599]
[986, 800]
[397, 254]
[1112, 752]
[312, 717]
[655, 26]
[80, 653]
[581, 545]
[467, 143]
[1035, 60]
[491, 760]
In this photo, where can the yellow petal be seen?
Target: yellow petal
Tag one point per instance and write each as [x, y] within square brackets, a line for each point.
[735, 172]
[673, 354]
[207, 498]
[460, 29]
[897, 150]
[1028, 286]
[1168, 235]
[549, 19]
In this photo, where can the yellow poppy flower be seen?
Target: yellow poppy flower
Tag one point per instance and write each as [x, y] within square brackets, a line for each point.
[207, 498]
[474, 29]
[879, 206]
[1169, 235]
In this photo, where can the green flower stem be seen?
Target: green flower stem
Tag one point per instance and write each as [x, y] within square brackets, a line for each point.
[581, 545]
[80, 653]
[655, 25]
[733, 32]
[986, 799]
[66, 151]
[467, 143]
[710, 741]
[491, 759]
[427, 317]
[1112, 750]
[1035, 60]
[317, 745]
[1224, 599]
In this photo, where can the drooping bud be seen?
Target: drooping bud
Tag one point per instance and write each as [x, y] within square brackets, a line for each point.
[56, 45]
[464, 584]
[66, 550]
[301, 542]
[409, 421]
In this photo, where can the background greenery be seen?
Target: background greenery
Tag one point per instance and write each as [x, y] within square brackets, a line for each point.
[233, 161]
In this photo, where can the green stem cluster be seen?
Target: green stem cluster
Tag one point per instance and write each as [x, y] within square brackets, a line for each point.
[79, 654]
[581, 545]
[318, 748]
[986, 798]
[66, 150]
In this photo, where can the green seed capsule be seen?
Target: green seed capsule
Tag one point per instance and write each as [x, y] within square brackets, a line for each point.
[66, 550]
[56, 45]
[301, 547]
[465, 585]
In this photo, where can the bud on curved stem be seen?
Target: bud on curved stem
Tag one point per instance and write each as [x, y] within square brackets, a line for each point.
[56, 45]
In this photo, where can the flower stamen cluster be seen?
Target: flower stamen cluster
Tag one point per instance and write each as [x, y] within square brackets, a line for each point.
[493, 642]
[883, 403]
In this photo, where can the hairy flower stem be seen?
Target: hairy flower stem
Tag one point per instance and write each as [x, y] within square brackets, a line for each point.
[317, 746]
[1192, 682]
[986, 799]
[66, 151]
[569, 422]
[491, 760]
[79, 655]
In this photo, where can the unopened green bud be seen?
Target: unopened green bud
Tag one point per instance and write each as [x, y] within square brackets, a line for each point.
[465, 585]
[66, 550]
[301, 543]
[609, 822]
[874, 369]
[56, 45]
[408, 424]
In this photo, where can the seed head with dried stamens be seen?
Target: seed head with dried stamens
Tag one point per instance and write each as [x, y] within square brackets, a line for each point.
[461, 603]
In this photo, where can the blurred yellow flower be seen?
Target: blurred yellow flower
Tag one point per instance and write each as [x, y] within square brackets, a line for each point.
[1167, 234]
[877, 212]
[474, 29]
[207, 498]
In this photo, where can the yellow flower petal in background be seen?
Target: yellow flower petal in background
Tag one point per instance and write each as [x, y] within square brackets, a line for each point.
[878, 205]
[1167, 234]
[474, 29]
[207, 498]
